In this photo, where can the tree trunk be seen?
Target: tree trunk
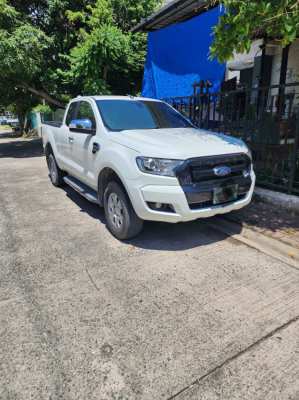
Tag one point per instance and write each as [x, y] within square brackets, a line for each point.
[22, 118]
[105, 72]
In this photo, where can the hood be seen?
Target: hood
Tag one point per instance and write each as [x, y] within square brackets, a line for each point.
[178, 143]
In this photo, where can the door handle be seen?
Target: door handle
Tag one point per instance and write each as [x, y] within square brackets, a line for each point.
[71, 139]
[95, 147]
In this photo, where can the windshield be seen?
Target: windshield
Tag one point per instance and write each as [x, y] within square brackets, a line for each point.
[119, 115]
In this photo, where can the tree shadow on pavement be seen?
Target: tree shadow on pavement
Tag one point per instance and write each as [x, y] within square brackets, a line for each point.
[21, 148]
[10, 134]
[266, 217]
[157, 235]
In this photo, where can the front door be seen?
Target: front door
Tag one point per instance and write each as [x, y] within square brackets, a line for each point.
[82, 145]
[63, 140]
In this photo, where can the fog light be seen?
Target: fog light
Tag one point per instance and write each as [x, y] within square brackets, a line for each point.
[161, 207]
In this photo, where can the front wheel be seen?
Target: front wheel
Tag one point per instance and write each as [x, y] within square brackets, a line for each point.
[55, 173]
[122, 221]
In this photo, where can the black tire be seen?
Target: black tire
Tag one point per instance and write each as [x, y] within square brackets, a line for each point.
[122, 221]
[55, 173]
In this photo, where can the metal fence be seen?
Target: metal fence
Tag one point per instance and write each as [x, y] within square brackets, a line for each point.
[267, 119]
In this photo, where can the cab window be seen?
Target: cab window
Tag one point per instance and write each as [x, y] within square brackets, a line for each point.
[71, 113]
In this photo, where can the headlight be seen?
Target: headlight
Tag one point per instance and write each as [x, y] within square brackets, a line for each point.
[158, 166]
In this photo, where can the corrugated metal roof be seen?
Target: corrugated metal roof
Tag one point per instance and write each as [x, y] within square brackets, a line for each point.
[173, 12]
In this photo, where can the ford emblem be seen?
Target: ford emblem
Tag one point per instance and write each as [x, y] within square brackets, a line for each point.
[222, 170]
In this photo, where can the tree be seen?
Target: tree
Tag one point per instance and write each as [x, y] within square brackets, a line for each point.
[108, 58]
[16, 100]
[55, 49]
[35, 36]
[245, 19]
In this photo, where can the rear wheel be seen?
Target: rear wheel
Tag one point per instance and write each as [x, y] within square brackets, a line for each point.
[55, 173]
[122, 221]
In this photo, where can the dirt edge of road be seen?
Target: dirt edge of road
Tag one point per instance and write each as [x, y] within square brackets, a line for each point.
[270, 246]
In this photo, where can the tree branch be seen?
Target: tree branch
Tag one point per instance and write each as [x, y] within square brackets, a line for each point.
[42, 94]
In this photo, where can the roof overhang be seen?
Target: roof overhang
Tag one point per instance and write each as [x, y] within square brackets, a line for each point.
[174, 12]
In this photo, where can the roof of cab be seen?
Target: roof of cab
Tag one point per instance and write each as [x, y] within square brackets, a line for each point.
[110, 97]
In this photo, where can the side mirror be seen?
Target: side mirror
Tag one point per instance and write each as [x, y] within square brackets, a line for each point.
[82, 126]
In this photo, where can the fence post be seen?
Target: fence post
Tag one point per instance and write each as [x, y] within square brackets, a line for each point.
[294, 157]
[190, 109]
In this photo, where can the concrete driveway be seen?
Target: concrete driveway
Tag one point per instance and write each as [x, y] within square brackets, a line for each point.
[180, 313]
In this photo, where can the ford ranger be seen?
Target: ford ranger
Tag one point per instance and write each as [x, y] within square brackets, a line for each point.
[141, 159]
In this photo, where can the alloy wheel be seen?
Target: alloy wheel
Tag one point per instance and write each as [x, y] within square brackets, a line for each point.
[115, 211]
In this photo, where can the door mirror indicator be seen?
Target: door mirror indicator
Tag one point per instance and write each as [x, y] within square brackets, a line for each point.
[82, 126]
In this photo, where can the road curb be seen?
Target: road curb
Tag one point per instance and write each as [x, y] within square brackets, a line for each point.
[254, 239]
[286, 201]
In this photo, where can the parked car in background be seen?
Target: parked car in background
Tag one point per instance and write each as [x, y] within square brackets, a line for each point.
[13, 122]
[3, 120]
[142, 160]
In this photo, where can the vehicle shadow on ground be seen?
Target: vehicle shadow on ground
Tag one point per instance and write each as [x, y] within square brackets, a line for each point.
[176, 237]
[157, 235]
[85, 206]
[21, 148]
[183, 236]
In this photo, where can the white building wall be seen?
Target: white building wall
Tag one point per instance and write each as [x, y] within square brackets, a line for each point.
[276, 64]
[276, 52]
[243, 60]
[292, 70]
[293, 64]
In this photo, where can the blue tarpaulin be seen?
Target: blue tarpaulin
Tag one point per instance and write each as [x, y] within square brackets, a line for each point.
[177, 57]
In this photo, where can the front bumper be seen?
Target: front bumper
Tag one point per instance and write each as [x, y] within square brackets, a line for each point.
[142, 196]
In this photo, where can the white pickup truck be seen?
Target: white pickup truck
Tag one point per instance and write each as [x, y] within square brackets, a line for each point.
[142, 160]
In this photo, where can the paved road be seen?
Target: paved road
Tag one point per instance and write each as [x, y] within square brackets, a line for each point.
[180, 313]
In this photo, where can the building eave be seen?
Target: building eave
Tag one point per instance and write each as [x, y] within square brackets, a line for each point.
[174, 12]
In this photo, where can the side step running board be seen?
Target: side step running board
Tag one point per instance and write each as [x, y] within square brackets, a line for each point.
[81, 188]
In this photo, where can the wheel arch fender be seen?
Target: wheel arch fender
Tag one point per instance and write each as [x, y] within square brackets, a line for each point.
[49, 140]
[48, 149]
[108, 174]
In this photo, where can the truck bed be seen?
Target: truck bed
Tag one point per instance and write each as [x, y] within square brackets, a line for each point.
[56, 124]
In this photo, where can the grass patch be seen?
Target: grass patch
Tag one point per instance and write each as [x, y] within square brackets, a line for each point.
[5, 127]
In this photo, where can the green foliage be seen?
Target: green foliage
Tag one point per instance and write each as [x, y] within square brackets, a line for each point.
[56, 49]
[8, 15]
[108, 58]
[22, 53]
[243, 19]
[42, 108]
[127, 13]
[104, 50]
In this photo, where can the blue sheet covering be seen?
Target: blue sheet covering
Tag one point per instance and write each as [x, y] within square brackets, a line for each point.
[178, 56]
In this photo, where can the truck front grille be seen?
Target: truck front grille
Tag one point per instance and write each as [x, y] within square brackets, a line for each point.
[198, 178]
[197, 170]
